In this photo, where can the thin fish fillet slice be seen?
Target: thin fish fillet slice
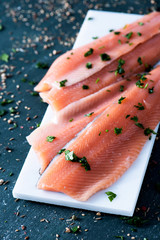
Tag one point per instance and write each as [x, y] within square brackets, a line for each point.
[64, 68]
[60, 98]
[65, 132]
[109, 155]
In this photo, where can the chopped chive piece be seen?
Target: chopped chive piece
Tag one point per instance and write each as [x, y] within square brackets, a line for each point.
[97, 80]
[121, 88]
[105, 57]
[139, 106]
[139, 34]
[62, 83]
[94, 37]
[85, 87]
[129, 35]
[106, 130]
[146, 86]
[118, 131]
[42, 65]
[99, 133]
[139, 60]
[148, 131]
[117, 33]
[119, 41]
[119, 69]
[71, 156]
[70, 120]
[120, 100]
[89, 114]
[89, 52]
[135, 118]
[89, 65]
[140, 125]
[2, 112]
[127, 116]
[61, 151]
[50, 138]
[151, 90]
[111, 195]
[141, 23]
[4, 57]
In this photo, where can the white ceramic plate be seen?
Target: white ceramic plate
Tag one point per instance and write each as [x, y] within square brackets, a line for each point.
[128, 186]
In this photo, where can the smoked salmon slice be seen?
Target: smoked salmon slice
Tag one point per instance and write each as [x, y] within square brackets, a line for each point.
[109, 144]
[72, 100]
[65, 132]
[69, 65]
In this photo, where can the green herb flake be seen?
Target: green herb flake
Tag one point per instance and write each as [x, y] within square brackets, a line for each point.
[135, 221]
[1, 27]
[97, 80]
[140, 84]
[90, 18]
[148, 131]
[139, 34]
[12, 110]
[140, 125]
[119, 69]
[117, 33]
[139, 60]
[85, 87]
[42, 65]
[121, 88]
[24, 80]
[61, 151]
[2, 112]
[129, 35]
[139, 106]
[101, 47]
[89, 65]
[99, 133]
[89, 52]
[151, 90]
[146, 86]
[127, 116]
[62, 83]
[89, 114]
[32, 83]
[111, 30]
[34, 93]
[38, 125]
[120, 100]
[94, 38]
[50, 138]
[118, 131]
[121, 237]
[119, 41]
[141, 23]
[75, 229]
[107, 115]
[135, 118]
[4, 57]
[70, 120]
[68, 57]
[6, 101]
[130, 44]
[71, 156]
[108, 90]
[106, 130]
[105, 57]
[111, 195]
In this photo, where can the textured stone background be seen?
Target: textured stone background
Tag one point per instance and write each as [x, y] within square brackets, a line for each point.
[39, 31]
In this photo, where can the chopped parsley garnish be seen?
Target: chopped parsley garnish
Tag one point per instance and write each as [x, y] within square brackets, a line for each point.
[106, 130]
[127, 116]
[24, 80]
[61, 151]
[117, 33]
[139, 106]
[1, 27]
[120, 100]
[4, 57]
[2, 112]
[6, 101]
[140, 125]
[143, 78]
[105, 57]
[62, 83]
[75, 229]
[111, 195]
[90, 18]
[107, 115]
[141, 23]
[148, 131]
[151, 90]
[99, 133]
[119, 41]
[34, 93]
[89, 52]
[88, 114]
[38, 125]
[135, 118]
[121, 88]
[129, 35]
[89, 65]
[97, 80]
[70, 120]
[108, 90]
[71, 156]
[94, 37]
[119, 69]
[111, 30]
[50, 138]
[146, 86]
[139, 84]
[139, 34]
[136, 221]
[42, 65]
[139, 60]
[118, 131]
[85, 87]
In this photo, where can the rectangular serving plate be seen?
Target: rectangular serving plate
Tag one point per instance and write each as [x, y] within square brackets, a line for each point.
[128, 186]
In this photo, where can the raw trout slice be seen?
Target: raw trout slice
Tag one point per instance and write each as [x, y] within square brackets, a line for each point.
[110, 144]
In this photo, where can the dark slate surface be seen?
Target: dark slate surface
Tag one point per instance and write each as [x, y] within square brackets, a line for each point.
[32, 30]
